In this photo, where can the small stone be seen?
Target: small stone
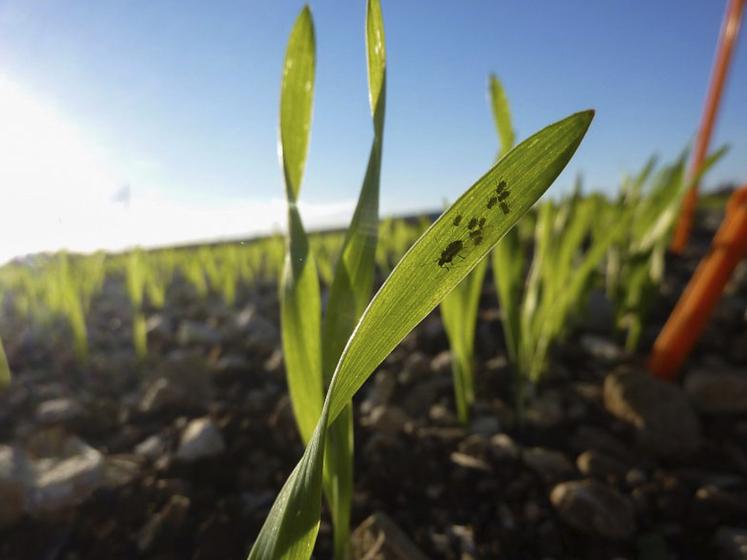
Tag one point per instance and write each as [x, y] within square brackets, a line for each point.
[59, 411]
[504, 448]
[598, 465]
[66, 472]
[635, 477]
[151, 448]
[592, 507]
[469, 462]
[550, 465]
[416, 367]
[546, 411]
[200, 439]
[718, 392]
[441, 363]
[379, 538]
[601, 348]
[379, 392]
[661, 413]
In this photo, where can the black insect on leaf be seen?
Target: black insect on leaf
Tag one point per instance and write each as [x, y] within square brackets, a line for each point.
[492, 201]
[481, 223]
[477, 240]
[458, 220]
[472, 223]
[505, 208]
[501, 187]
[451, 251]
[504, 195]
[475, 233]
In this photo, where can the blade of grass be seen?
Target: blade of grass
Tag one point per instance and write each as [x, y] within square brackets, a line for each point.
[4, 369]
[415, 287]
[300, 301]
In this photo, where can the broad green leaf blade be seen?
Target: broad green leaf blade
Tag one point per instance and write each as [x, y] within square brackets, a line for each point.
[300, 319]
[501, 114]
[446, 253]
[290, 530]
[4, 369]
[296, 97]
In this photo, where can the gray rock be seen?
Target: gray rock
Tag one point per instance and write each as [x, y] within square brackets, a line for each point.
[731, 543]
[665, 421]
[441, 362]
[379, 538]
[717, 392]
[258, 334]
[59, 411]
[601, 348]
[200, 439]
[468, 462]
[597, 464]
[592, 507]
[504, 448]
[66, 471]
[13, 474]
[550, 465]
[151, 448]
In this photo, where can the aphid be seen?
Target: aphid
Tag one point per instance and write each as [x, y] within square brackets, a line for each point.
[501, 187]
[482, 222]
[491, 201]
[505, 208]
[477, 240]
[504, 195]
[472, 223]
[475, 233]
[451, 251]
[458, 220]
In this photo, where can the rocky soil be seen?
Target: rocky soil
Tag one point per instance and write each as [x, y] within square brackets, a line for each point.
[182, 455]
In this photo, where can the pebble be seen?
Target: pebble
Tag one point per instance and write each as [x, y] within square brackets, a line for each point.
[663, 417]
[200, 439]
[594, 508]
[717, 392]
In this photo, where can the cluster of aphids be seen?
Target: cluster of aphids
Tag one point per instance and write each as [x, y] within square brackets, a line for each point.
[500, 198]
[474, 226]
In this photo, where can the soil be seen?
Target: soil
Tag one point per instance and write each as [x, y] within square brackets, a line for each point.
[481, 491]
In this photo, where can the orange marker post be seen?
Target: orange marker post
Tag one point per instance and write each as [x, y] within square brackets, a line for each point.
[725, 49]
[694, 307]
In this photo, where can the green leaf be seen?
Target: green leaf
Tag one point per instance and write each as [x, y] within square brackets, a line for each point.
[501, 114]
[296, 97]
[300, 301]
[415, 287]
[444, 255]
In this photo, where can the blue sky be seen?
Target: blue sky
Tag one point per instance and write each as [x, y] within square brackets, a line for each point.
[179, 101]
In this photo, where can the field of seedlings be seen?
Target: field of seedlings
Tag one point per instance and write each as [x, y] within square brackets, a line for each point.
[466, 384]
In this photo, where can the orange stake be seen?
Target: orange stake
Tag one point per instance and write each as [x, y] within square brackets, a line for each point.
[725, 49]
[694, 307]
